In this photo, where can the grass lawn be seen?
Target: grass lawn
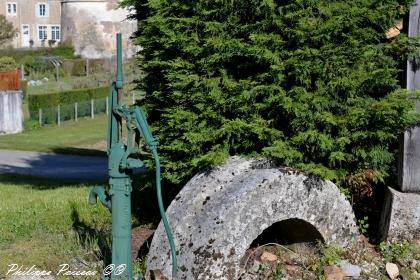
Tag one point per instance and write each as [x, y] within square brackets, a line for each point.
[61, 139]
[48, 223]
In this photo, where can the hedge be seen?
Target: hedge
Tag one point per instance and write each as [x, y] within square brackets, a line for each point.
[50, 100]
[18, 54]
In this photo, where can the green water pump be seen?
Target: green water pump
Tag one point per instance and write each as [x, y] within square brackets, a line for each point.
[122, 159]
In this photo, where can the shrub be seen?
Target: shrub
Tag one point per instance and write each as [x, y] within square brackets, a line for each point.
[312, 84]
[75, 67]
[7, 63]
[403, 253]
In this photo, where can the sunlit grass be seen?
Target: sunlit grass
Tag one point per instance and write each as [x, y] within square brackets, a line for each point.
[52, 137]
[49, 224]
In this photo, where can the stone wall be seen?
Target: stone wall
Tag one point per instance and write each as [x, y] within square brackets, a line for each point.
[11, 115]
[90, 26]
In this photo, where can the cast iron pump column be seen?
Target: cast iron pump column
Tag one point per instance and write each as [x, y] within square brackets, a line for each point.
[122, 159]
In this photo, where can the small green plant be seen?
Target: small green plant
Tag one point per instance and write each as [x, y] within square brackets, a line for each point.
[278, 273]
[363, 224]
[402, 253]
[140, 266]
[331, 255]
[31, 125]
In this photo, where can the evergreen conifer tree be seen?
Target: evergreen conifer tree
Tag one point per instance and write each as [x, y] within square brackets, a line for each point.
[312, 84]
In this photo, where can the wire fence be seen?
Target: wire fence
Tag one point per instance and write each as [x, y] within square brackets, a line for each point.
[74, 111]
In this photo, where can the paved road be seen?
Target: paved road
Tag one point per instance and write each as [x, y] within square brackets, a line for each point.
[66, 167]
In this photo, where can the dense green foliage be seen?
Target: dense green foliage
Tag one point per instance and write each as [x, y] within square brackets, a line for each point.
[7, 63]
[22, 55]
[49, 100]
[312, 84]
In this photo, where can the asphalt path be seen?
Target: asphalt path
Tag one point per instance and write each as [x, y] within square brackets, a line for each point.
[57, 166]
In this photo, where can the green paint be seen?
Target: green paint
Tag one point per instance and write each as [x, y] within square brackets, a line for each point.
[122, 159]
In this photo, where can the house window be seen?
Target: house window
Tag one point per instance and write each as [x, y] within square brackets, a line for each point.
[55, 33]
[42, 10]
[11, 8]
[42, 33]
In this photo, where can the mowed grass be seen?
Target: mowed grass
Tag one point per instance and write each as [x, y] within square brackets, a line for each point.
[54, 138]
[48, 223]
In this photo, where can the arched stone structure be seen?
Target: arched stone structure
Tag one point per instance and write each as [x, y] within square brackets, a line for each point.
[218, 214]
[289, 231]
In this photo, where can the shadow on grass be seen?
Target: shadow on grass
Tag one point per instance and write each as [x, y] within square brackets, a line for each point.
[144, 211]
[39, 183]
[79, 151]
[88, 235]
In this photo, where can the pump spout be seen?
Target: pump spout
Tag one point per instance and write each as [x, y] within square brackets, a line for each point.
[99, 192]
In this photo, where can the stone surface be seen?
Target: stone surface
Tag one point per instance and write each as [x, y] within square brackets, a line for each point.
[333, 272]
[400, 218]
[349, 269]
[91, 27]
[268, 257]
[409, 177]
[392, 270]
[219, 213]
[139, 237]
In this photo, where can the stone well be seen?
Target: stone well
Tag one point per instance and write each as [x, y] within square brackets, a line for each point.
[218, 214]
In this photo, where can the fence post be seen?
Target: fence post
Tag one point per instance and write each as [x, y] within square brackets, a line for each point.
[58, 116]
[40, 117]
[57, 72]
[75, 111]
[87, 67]
[106, 105]
[92, 108]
